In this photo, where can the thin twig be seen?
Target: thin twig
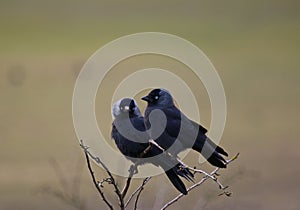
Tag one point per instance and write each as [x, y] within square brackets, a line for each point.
[215, 179]
[60, 175]
[140, 191]
[110, 179]
[75, 188]
[78, 204]
[126, 187]
[132, 171]
[137, 190]
[70, 189]
[87, 153]
[128, 181]
[121, 194]
[207, 176]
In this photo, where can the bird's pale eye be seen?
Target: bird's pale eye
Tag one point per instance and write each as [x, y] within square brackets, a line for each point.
[156, 97]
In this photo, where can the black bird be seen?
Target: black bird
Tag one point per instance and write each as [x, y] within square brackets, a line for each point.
[128, 131]
[175, 125]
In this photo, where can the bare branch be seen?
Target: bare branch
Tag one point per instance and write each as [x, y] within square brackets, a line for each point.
[70, 188]
[206, 177]
[60, 175]
[66, 198]
[213, 176]
[128, 181]
[140, 188]
[75, 187]
[133, 169]
[96, 183]
[126, 187]
[111, 180]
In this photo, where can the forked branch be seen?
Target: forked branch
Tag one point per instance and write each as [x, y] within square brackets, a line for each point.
[207, 176]
[121, 194]
[111, 180]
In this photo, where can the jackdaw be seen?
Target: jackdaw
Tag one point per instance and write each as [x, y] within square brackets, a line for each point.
[172, 130]
[131, 138]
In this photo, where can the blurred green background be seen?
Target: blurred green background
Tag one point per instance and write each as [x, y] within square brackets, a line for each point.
[254, 45]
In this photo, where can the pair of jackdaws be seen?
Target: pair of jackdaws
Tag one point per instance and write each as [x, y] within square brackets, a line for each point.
[158, 137]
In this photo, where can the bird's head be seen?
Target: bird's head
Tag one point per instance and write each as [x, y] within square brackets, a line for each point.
[159, 97]
[125, 106]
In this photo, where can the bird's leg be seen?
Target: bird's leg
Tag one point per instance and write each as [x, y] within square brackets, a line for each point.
[151, 141]
[145, 151]
[133, 169]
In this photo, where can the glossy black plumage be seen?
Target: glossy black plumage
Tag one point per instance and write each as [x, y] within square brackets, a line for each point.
[133, 147]
[189, 133]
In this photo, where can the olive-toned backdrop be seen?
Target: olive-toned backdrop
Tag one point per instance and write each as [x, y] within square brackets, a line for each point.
[254, 45]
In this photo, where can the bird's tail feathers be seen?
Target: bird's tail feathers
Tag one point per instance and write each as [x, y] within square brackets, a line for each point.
[176, 181]
[217, 148]
[211, 153]
[217, 160]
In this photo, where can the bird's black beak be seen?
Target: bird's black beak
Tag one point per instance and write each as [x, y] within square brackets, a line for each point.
[146, 98]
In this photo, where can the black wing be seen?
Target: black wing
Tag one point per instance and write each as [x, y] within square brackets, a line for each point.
[130, 148]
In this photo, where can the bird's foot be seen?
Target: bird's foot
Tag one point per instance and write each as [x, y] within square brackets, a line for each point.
[133, 169]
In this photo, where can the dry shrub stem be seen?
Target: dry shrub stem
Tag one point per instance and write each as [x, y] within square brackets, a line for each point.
[111, 180]
[121, 194]
[207, 176]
